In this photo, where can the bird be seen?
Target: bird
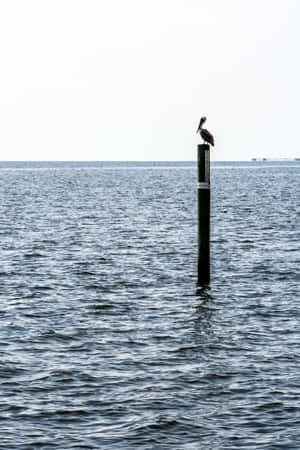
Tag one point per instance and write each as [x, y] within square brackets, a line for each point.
[205, 134]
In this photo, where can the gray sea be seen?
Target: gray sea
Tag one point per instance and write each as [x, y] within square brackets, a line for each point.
[107, 342]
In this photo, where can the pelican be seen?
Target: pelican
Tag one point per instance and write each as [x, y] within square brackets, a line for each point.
[205, 134]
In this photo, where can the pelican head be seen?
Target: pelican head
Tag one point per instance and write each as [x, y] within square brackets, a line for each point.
[202, 120]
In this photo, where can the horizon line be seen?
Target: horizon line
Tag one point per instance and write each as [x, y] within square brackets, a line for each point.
[149, 160]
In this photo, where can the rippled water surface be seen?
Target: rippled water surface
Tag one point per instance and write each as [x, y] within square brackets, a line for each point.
[105, 339]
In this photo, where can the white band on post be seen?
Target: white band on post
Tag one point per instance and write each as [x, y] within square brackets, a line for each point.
[203, 185]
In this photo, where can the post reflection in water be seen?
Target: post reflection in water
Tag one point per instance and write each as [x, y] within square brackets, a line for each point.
[204, 311]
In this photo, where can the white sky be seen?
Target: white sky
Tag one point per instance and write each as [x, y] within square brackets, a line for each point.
[129, 79]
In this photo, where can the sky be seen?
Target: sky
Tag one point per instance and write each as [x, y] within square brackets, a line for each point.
[120, 80]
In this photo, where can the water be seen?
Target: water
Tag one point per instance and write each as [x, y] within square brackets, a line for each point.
[105, 340]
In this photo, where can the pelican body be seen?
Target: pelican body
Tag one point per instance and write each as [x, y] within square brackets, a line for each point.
[205, 134]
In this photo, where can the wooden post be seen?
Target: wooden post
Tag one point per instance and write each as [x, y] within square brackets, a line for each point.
[203, 213]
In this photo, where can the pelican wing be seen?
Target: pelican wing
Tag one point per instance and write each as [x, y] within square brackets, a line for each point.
[207, 136]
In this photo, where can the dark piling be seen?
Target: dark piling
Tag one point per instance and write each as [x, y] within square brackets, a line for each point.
[203, 214]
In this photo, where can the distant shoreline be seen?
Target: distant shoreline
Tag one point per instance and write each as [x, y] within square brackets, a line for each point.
[275, 159]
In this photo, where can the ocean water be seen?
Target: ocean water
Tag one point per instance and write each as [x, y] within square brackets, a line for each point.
[106, 341]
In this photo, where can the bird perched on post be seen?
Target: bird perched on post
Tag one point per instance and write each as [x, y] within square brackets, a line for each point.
[205, 134]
